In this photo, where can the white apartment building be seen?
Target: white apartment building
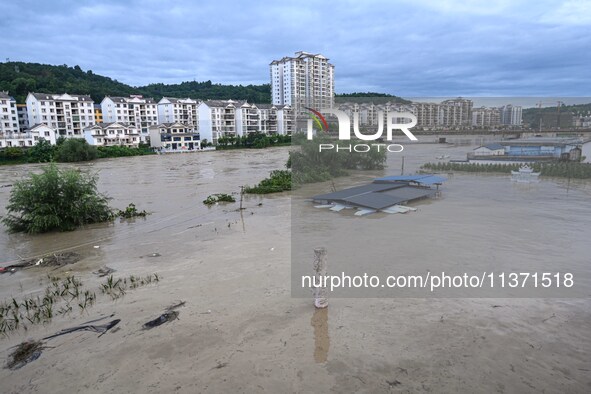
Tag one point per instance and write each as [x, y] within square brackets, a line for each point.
[248, 119]
[175, 110]
[68, 114]
[113, 134]
[285, 120]
[27, 138]
[134, 110]
[23, 117]
[175, 137]
[217, 119]
[511, 115]
[306, 80]
[8, 114]
[225, 118]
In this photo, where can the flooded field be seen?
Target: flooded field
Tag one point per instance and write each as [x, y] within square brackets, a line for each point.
[242, 331]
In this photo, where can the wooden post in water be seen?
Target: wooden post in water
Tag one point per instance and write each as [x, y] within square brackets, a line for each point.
[320, 294]
[241, 194]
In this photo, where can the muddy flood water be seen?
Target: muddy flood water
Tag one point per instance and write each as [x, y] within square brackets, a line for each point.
[240, 329]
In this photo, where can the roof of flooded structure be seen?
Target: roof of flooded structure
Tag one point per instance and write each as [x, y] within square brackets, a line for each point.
[424, 179]
[384, 192]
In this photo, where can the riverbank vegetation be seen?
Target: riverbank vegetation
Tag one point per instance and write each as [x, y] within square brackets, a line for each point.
[308, 165]
[278, 181]
[253, 141]
[560, 169]
[67, 151]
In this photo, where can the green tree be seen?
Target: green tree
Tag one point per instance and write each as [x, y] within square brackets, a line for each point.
[76, 149]
[55, 200]
[42, 152]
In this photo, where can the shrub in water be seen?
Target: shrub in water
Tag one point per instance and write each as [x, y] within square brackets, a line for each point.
[55, 200]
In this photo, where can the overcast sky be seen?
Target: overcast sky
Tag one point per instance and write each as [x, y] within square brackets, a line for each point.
[407, 48]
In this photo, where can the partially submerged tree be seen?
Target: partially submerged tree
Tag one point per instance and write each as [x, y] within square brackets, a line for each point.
[76, 149]
[55, 200]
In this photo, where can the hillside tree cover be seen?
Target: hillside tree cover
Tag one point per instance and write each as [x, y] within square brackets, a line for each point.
[20, 78]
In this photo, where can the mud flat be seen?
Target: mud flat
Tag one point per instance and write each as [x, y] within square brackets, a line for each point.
[241, 331]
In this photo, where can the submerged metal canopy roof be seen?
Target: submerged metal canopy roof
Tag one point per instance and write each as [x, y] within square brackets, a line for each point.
[382, 200]
[426, 179]
[385, 192]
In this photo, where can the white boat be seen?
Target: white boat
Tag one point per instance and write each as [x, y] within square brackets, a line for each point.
[443, 157]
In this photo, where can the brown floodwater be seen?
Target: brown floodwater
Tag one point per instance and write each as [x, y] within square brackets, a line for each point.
[241, 329]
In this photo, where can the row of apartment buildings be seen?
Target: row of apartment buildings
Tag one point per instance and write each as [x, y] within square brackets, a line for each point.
[131, 120]
[452, 114]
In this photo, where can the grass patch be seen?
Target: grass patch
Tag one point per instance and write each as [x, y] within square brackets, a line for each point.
[219, 197]
[278, 181]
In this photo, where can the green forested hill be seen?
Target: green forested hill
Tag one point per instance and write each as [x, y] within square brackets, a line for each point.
[19, 78]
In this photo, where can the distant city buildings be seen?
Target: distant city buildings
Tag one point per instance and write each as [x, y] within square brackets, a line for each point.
[511, 115]
[305, 80]
[486, 117]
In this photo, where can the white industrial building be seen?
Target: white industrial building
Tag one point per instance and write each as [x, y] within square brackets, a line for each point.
[68, 114]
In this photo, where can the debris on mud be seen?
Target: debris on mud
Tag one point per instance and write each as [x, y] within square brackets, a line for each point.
[104, 271]
[163, 318]
[51, 260]
[101, 329]
[175, 306]
[25, 353]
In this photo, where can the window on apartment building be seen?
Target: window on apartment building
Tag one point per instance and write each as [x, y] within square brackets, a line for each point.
[47, 133]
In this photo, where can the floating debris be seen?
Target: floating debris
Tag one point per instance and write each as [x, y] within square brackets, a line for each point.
[25, 353]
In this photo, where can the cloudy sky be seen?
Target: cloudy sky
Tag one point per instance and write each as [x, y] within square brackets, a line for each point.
[409, 48]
